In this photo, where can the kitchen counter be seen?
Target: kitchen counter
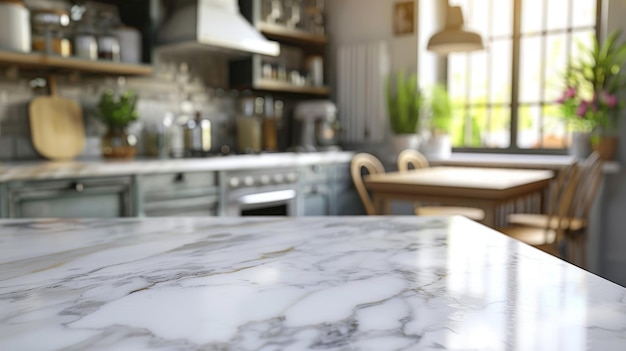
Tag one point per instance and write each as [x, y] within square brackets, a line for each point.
[10, 171]
[356, 283]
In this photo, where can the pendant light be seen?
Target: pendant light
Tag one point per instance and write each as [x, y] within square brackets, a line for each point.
[454, 37]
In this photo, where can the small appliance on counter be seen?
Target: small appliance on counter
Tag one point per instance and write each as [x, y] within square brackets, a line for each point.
[197, 136]
[319, 127]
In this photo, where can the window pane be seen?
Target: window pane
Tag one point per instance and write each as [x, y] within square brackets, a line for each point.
[556, 62]
[529, 127]
[497, 134]
[584, 13]
[478, 120]
[458, 126]
[502, 17]
[584, 39]
[478, 77]
[500, 72]
[530, 69]
[477, 17]
[457, 77]
[532, 16]
[557, 14]
[554, 130]
[548, 132]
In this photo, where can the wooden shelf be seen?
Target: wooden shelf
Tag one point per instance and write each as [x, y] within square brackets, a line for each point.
[283, 87]
[282, 33]
[37, 61]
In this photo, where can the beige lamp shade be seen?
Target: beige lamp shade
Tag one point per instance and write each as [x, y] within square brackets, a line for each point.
[454, 38]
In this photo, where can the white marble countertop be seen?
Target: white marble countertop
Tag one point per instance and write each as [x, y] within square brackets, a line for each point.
[366, 283]
[10, 171]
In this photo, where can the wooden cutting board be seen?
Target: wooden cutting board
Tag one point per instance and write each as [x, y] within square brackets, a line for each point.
[56, 126]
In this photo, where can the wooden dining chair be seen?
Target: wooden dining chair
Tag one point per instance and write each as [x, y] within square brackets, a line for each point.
[578, 232]
[409, 160]
[547, 231]
[575, 225]
[369, 163]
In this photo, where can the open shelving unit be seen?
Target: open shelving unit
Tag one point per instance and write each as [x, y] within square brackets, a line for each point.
[54, 63]
[282, 33]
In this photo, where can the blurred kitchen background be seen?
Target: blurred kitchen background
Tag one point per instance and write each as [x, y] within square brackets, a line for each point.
[211, 75]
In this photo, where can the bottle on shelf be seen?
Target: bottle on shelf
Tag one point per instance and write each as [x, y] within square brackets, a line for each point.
[177, 139]
[270, 140]
[249, 125]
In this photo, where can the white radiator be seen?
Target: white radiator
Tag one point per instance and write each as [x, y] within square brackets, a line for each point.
[361, 73]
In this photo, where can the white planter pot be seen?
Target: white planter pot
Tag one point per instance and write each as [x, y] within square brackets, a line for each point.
[581, 145]
[401, 142]
[439, 146]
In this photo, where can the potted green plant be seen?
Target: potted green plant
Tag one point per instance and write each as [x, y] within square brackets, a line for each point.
[590, 100]
[117, 112]
[404, 105]
[439, 143]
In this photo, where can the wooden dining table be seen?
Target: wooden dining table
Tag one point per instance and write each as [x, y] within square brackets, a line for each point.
[484, 188]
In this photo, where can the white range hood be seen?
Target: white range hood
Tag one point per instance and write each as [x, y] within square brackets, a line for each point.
[215, 25]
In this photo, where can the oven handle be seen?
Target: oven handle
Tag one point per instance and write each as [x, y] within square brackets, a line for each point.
[272, 196]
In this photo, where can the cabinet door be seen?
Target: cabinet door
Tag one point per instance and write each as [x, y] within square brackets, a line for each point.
[199, 206]
[316, 200]
[81, 198]
[190, 194]
[346, 200]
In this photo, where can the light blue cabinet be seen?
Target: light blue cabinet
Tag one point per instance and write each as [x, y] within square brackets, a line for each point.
[313, 191]
[182, 194]
[345, 199]
[106, 197]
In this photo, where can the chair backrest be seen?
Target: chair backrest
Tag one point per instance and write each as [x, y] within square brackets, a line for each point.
[373, 166]
[410, 157]
[566, 187]
[590, 180]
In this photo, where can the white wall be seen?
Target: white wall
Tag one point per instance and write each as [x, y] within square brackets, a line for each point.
[364, 21]
[612, 232]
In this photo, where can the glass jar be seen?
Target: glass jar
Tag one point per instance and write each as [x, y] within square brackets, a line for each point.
[51, 31]
[118, 143]
[249, 126]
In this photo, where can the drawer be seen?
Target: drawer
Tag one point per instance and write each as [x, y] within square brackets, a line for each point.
[314, 173]
[182, 207]
[76, 198]
[178, 184]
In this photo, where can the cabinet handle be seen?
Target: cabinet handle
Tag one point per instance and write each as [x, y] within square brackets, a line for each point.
[79, 187]
[180, 177]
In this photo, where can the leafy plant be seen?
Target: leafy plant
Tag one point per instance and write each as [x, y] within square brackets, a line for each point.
[404, 103]
[590, 99]
[118, 111]
[441, 107]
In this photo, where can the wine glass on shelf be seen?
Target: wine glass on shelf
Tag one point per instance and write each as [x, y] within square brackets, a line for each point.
[276, 11]
[294, 19]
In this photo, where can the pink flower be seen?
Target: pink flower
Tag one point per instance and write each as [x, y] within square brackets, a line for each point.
[569, 93]
[609, 99]
[582, 109]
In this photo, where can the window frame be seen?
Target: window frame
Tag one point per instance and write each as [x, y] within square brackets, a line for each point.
[515, 104]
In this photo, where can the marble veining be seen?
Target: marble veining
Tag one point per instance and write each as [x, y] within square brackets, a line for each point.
[10, 171]
[354, 283]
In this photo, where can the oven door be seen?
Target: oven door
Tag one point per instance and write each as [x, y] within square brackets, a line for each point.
[262, 202]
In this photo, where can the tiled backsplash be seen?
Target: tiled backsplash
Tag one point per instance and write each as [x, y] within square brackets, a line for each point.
[159, 95]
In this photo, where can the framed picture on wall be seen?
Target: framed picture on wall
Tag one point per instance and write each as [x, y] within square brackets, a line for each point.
[403, 18]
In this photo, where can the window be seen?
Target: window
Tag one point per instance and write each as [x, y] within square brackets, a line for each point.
[504, 97]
